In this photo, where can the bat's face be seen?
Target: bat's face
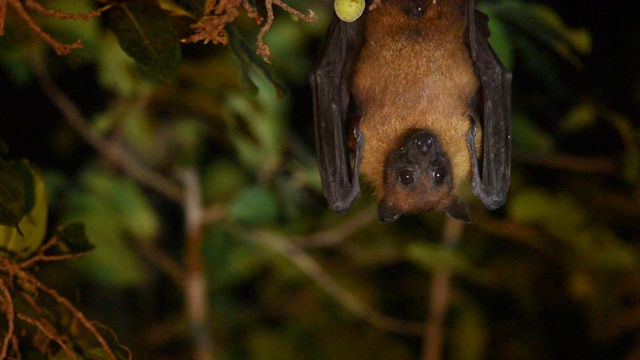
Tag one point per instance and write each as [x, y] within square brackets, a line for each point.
[418, 177]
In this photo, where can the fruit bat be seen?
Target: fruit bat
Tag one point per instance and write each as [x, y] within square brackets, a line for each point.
[412, 97]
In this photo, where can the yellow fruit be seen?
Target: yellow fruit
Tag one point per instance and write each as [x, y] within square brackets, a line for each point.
[349, 10]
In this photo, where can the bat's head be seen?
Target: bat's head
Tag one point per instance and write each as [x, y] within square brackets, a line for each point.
[418, 177]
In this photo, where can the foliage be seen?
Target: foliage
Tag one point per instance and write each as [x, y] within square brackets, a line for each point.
[25, 228]
[214, 175]
[145, 33]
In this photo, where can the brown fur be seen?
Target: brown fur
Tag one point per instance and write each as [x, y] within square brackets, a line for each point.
[415, 73]
[423, 198]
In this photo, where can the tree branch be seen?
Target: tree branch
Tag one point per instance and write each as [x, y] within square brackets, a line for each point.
[69, 306]
[569, 162]
[439, 296]
[111, 150]
[10, 319]
[336, 235]
[311, 268]
[49, 333]
[195, 284]
[161, 260]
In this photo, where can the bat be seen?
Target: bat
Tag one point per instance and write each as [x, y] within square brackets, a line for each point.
[412, 97]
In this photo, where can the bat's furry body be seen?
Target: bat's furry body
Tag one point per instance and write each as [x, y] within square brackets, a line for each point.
[415, 73]
[429, 95]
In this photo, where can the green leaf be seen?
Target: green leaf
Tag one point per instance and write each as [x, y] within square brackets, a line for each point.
[69, 31]
[197, 6]
[580, 116]
[146, 34]
[256, 128]
[553, 211]
[544, 25]
[97, 353]
[469, 328]
[256, 206]
[248, 60]
[17, 194]
[61, 355]
[268, 343]
[191, 8]
[73, 239]
[15, 55]
[500, 42]
[30, 231]
[27, 176]
[113, 262]
[437, 257]
[563, 36]
[223, 179]
[113, 210]
[230, 260]
[528, 137]
[116, 72]
[125, 199]
[587, 114]
[626, 129]
[11, 195]
[136, 214]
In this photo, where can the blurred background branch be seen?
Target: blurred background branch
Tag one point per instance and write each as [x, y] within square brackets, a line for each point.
[434, 330]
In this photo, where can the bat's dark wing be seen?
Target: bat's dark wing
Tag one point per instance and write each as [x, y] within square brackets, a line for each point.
[331, 96]
[495, 111]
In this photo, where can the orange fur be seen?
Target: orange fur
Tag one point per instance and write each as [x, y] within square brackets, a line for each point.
[423, 198]
[415, 73]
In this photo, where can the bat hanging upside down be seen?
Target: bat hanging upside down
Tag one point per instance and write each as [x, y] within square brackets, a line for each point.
[414, 87]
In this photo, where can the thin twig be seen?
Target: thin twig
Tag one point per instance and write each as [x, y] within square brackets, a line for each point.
[263, 49]
[115, 338]
[3, 14]
[40, 256]
[111, 150]
[338, 234]
[216, 16]
[570, 163]
[36, 6]
[161, 260]
[509, 229]
[439, 296]
[214, 214]
[48, 332]
[164, 331]
[69, 306]
[10, 319]
[61, 49]
[195, 284]
[54, 258]
[311, 268]
[30, 287]
[16, 347]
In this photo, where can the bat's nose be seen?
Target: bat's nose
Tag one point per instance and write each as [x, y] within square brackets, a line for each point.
[423, 142]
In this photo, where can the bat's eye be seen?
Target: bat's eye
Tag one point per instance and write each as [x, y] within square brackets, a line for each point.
[406, 176]
[439, 174]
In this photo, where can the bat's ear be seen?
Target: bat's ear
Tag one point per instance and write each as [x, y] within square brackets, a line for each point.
[386, 213]
[458, 210]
